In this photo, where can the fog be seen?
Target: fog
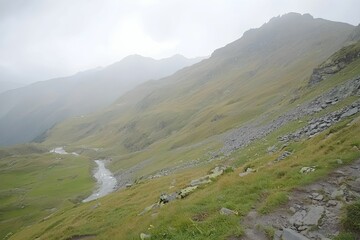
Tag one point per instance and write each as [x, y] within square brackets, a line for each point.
[42, 39]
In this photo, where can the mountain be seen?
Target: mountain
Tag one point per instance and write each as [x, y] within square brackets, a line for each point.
[27, 112]
[249, 76]
[223, 149]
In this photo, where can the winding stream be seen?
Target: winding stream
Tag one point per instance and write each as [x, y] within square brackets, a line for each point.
[105, 180]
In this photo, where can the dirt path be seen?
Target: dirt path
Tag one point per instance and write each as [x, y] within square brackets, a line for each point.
[313, 211]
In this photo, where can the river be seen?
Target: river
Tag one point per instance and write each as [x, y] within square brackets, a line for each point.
[105, 180]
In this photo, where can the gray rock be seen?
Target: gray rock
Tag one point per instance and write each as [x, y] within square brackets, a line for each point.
[314, 215]
[226, 211]
[277, 235]
[337, 193]
[289, 234]
[200, 181]
[292, 209]
[297, 218]
[331, 203]
[305, 170]
[144, 236]
[350, 112]
[317, 196]
[186, 191]
[355, 185]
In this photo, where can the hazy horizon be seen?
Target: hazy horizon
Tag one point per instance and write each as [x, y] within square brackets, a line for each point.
[46, 39]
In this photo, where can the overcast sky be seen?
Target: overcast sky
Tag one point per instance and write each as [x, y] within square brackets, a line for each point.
[42, 39]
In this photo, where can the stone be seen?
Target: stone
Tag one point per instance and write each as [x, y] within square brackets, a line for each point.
[318, 197]
[337, 193]
[305, 170]
[144, 236]
[186, 191]
[200, 181]
[292, 209]
[313, 215]
[277, 235]
[226, 211]
[331, 203]
[289, 234]
[355, 185]
[216, 172]
[302, 228]
[350, 112]
[297, 218]
[128, 185]
[248, 171]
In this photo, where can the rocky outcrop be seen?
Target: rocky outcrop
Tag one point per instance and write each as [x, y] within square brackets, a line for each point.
[320, 124]
[313, 211]
[184, 192]
[335, 63]
[250, 132]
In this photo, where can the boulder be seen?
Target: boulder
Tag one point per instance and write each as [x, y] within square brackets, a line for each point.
[289, 234]
[226, 211]
[248, 171]
[200, 181]
[305, 170]
[186, 191]
[217, 171]
[337, 193]
[355, 185]
[313, 216]
[350, 112]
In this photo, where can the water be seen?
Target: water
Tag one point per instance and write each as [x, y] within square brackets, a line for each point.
[105, 179]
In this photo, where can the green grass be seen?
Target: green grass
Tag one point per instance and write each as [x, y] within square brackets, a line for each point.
[265, 190]
[352, 220]
[34, 186]
[178, 120]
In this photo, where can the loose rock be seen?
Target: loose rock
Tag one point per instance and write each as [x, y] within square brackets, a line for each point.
[289, 234]
[305, 170]
[226, 211]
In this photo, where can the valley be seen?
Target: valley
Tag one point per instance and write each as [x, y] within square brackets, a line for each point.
[258, 141]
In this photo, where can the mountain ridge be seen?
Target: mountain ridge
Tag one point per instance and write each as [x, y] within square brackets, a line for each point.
[27, 112]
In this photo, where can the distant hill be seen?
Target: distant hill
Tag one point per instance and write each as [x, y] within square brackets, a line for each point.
[249, 76]
[27, 112]
[181, 117]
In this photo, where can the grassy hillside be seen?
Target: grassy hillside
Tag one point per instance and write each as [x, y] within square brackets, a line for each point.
[197, 217]
[178, 124]
[257, 74]
[34, 185]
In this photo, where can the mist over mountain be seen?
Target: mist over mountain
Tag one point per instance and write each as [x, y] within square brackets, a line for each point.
[27, 112]
[252, 73]
[258, 141]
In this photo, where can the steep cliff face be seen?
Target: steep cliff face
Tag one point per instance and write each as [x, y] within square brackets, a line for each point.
[336, 63]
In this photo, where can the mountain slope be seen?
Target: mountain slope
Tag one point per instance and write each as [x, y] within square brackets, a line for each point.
[257, 74]
[271, 173]
[27, 112]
